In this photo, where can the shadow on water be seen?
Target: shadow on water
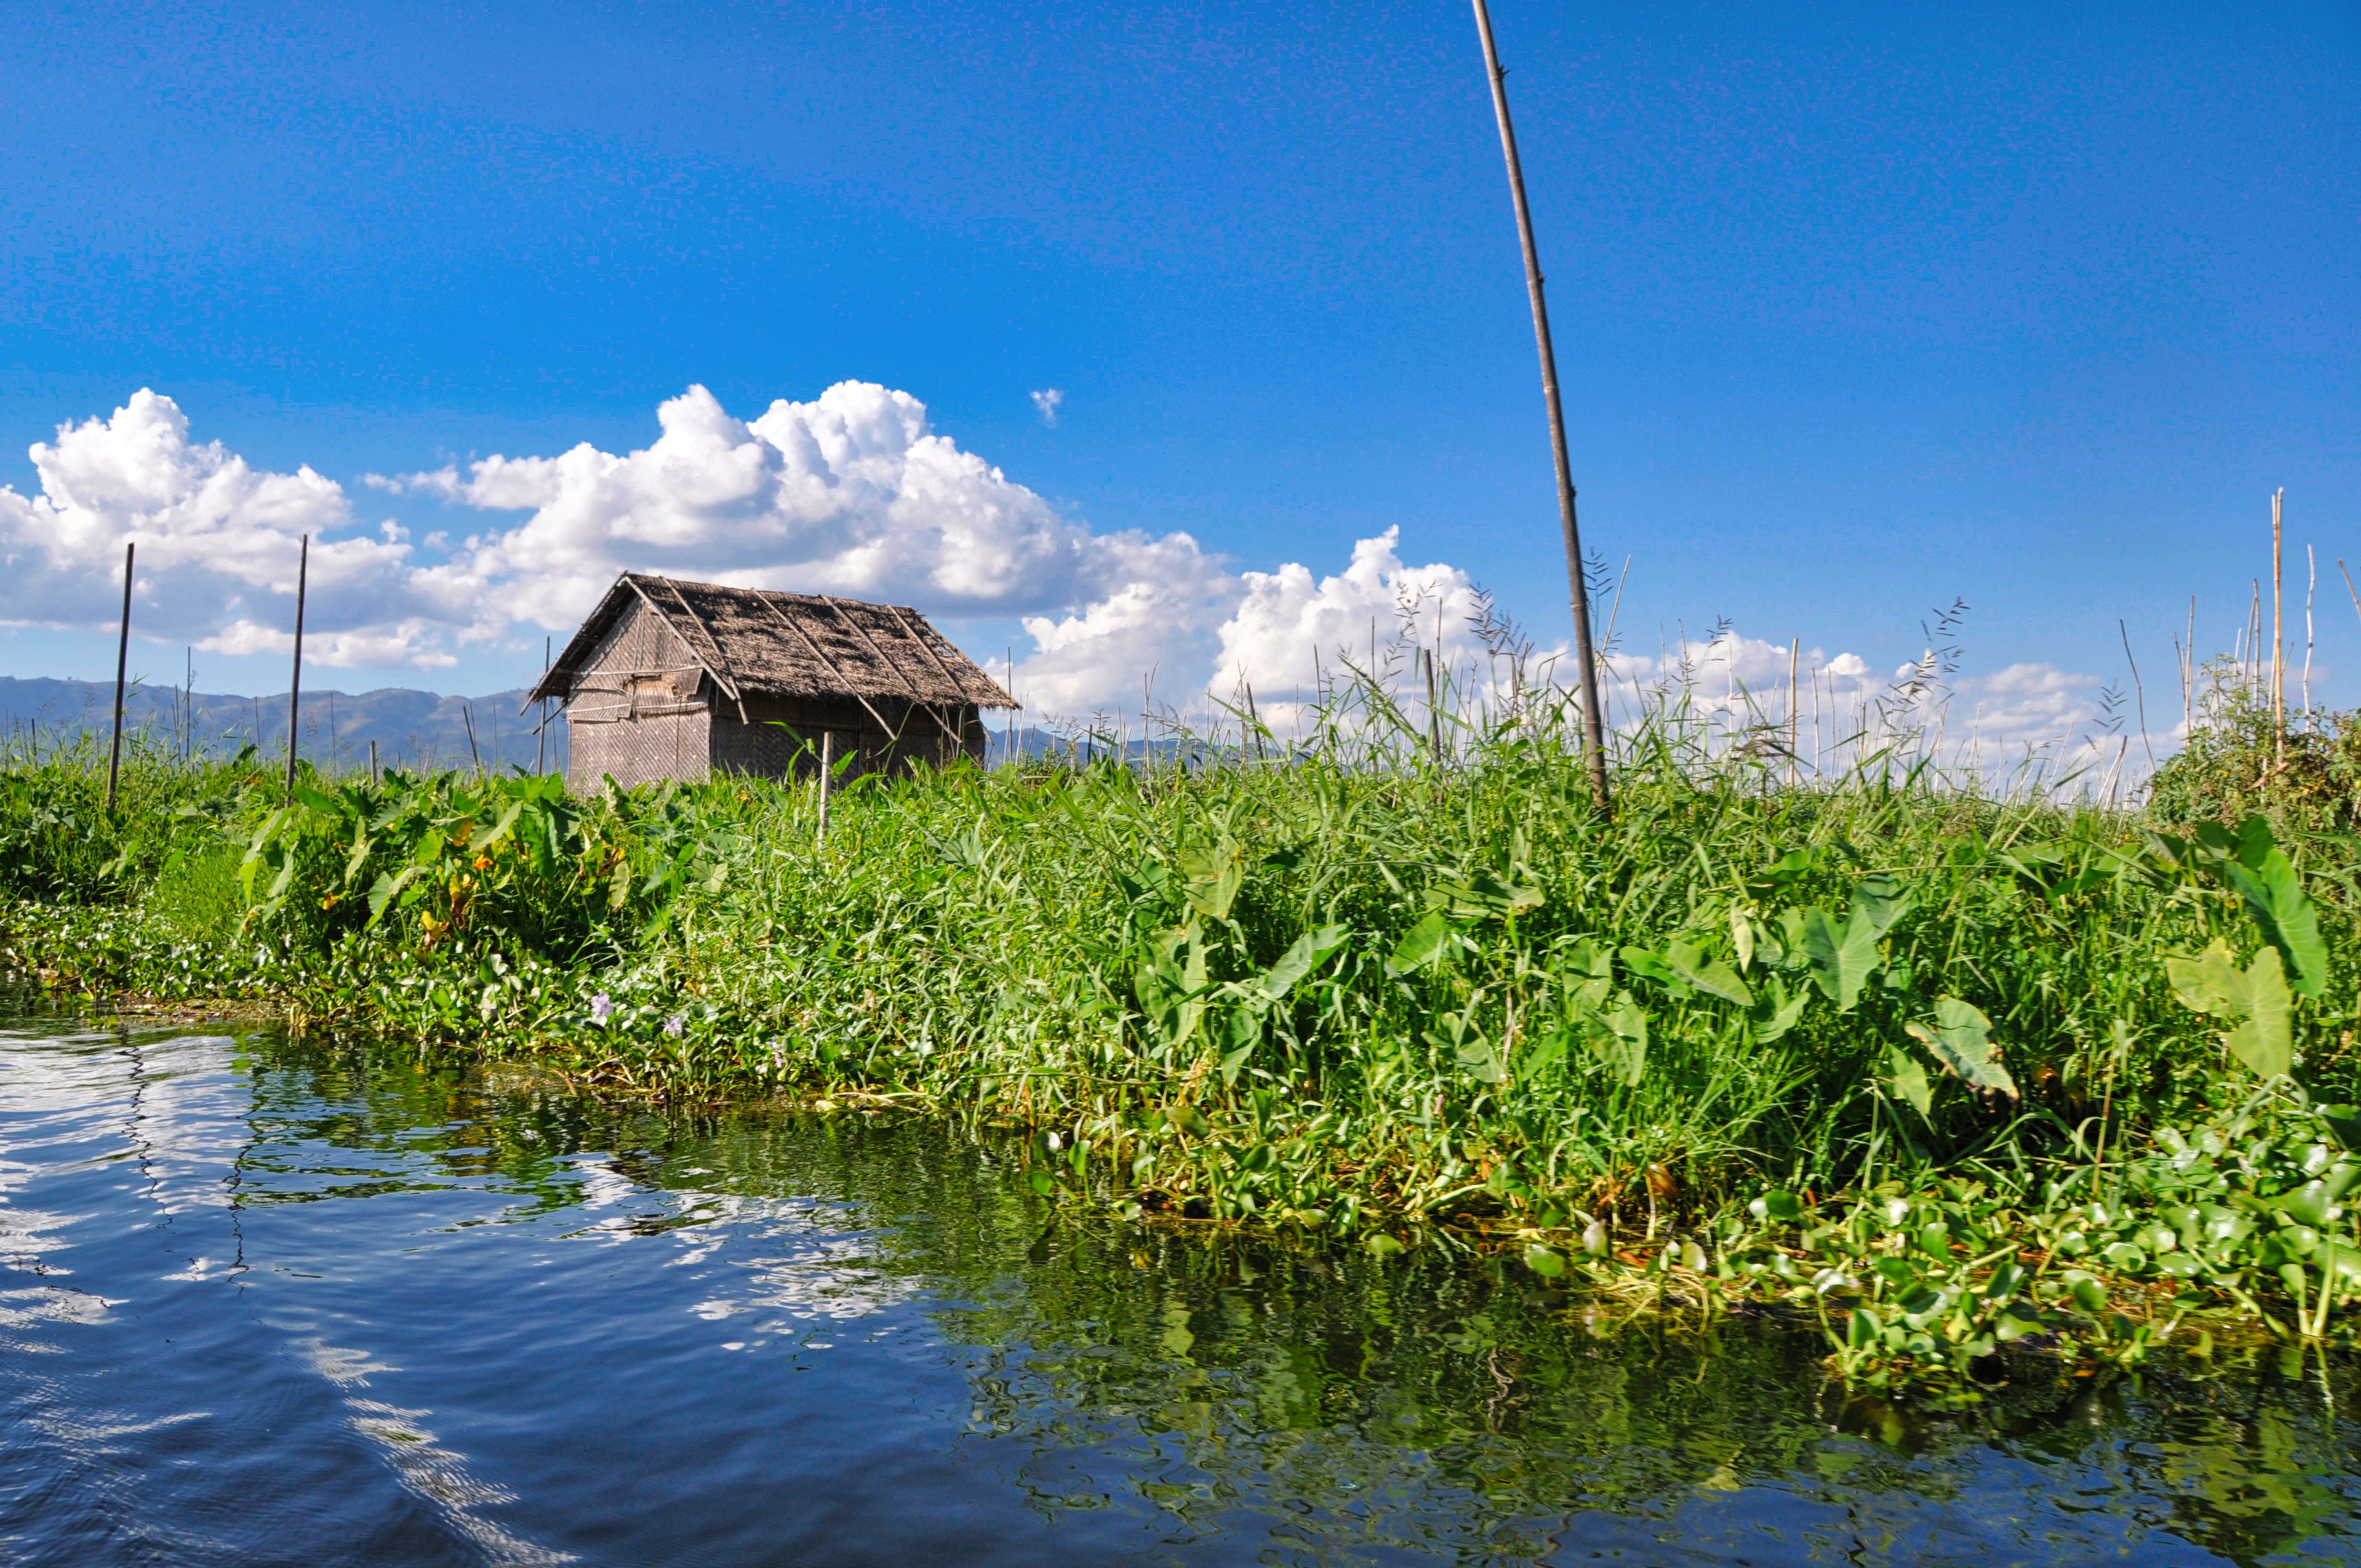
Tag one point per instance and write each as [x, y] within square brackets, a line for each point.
[284, 1302]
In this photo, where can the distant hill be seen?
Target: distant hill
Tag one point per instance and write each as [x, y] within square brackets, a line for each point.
[413, 729]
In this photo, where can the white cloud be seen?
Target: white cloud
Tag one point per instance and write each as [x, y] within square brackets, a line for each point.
[1046, 403]
[851, 493]
[218, 540]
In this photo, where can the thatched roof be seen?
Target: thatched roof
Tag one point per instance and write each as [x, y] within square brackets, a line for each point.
[756, 643]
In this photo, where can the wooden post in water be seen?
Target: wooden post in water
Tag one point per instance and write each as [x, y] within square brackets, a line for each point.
[122, 659]
[1594, 730]
[295, 677]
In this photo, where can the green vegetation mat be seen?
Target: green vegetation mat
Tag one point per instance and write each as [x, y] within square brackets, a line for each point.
[1952, 1078]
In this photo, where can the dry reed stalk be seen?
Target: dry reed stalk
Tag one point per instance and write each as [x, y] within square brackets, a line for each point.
[2139, 691]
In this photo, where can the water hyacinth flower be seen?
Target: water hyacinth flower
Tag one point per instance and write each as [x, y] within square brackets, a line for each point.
[602, 1007]
[674, 1024]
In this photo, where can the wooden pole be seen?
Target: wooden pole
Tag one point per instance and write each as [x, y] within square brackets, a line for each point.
[1794, 645]
[540, 735]
[2278, 634]
[122, 659]
[1594, 732]
[826, 760]
[295, 678]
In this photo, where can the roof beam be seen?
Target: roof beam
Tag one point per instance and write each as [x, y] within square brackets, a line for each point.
[820, 653]
[915, 700]
[726, 682]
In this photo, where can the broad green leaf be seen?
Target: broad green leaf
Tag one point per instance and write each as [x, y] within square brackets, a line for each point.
[311, 797]
[1301, 957]
[1878, 900]
[1620, 1038]
[1961, 1041]
[1233, 1062]
[1486, 895]
[1777, 1012]
[2255, 1000]
[1422, 945]
[1543, 1054]
[1741, 938]
[1649, 965]
[1709, 975]
[1907, 1077]
[1215, 876]
[1842, 961]
[2274, 895]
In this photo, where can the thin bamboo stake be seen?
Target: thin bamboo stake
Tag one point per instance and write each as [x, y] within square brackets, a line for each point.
[540, 730]
[1794, 645]
[2310, 585]
[2278, 634]
[2140, 691]
[826, 762]
[1594, 731]
[2348, 585]
[122, 659]
[295, 677]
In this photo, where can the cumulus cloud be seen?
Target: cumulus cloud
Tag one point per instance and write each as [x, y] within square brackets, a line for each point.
[1046, 403]
[218, 543]
[851, 493]
[855, 493]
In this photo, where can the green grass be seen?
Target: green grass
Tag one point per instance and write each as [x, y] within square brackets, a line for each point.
[1941, 1072]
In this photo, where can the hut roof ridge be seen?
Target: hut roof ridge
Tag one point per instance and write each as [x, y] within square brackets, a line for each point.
[769, 643]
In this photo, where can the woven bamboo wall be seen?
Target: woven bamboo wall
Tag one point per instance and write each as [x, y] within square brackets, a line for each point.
[639, 712]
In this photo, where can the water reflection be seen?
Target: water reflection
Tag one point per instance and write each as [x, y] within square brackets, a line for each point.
[280, 1302]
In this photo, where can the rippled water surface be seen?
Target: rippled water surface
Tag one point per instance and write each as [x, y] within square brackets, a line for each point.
[269, 1303]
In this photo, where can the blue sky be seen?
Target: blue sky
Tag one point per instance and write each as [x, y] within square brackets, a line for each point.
[1858, 310]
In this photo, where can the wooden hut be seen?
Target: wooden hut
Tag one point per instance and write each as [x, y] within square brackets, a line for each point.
[674, 680]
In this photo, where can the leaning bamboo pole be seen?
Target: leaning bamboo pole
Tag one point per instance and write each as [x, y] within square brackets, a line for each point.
[122, 661]
[1594, 730]
[295, 678]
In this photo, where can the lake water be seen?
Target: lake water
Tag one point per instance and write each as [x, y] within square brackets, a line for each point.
[266, 1302]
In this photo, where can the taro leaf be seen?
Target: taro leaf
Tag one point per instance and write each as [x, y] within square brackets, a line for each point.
[1215, 876]
[1545, 1261]
[1233, 1062]
[1741, 938]
[1486, 895]
[1961, 1041]
[1619, 1040]
[1421, 946]
[1299, 959]
[1878, 900]
[2255, 997]
[1648, 965]
[1777, 1012]
[1840, 961]
[2274, 897]
[2343, 1123]
[1905, 1075]
[1709, 975]
[1543, 1054]
[1482, 1061]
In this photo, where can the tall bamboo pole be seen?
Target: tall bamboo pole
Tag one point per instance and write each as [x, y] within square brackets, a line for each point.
[295, 678]
[1594, 730]
[2279, 635]
[122, 659]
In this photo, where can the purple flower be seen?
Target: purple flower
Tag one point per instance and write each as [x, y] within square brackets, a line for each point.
[602, 1007]
[674, 1024]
